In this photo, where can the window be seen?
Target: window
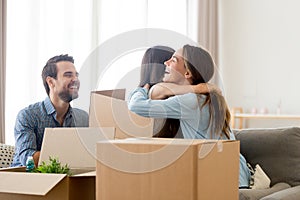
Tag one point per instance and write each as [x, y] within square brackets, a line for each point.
[38, 30]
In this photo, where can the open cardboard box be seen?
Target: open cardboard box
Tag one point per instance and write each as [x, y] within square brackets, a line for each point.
[168, 169]
[31, 186]
[109, 109]
[72, 146]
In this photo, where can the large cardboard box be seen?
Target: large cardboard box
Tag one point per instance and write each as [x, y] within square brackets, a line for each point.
[167, 169]
[73, 146]
[109, 109]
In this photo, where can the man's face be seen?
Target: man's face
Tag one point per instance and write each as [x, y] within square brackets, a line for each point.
[66, 83]
[175, 69]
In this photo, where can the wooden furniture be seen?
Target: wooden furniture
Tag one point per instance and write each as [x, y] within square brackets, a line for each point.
[237, 114]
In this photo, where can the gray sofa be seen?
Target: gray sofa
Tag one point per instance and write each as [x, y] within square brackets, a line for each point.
[277, 151]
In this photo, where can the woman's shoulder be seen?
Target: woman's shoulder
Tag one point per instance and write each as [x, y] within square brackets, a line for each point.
[189, 99]
[192, 96]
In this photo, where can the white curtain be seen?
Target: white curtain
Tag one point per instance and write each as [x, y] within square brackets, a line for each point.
[38, 30]
[202, 27]
[208, 32]
[2, 68]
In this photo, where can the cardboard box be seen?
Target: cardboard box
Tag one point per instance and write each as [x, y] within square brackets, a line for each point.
[73, 146]
[36, 186]
[167, 169]
[109, 109]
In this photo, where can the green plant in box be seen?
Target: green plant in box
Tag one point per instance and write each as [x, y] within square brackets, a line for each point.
[54, 167]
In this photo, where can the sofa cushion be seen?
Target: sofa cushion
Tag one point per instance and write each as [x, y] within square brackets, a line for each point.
[255, 194]
[260, 179]
[276, 150]
[292, 193]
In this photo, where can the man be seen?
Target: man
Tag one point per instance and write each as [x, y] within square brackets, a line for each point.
[61, 83]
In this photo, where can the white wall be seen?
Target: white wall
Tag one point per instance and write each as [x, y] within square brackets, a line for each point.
[259, 55]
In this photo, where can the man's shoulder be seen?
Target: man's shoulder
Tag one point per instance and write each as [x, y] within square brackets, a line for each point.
[81, 117]
[32, 112]
[32, 107]
[78, 111]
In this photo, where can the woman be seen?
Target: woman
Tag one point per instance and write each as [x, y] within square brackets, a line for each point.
[201, 116]
[152, 72]
[153, 68]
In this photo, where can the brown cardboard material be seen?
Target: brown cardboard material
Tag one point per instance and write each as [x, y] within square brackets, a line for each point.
[168, 169]
[109, 109]
[72, 146]
[37, 186]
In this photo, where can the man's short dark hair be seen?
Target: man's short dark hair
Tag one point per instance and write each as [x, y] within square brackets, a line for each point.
[51, 70]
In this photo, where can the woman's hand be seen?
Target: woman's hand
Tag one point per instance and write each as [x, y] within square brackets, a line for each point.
[147, 86]
[203, 88]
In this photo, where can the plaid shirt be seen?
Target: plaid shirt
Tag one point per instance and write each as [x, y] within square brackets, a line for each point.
[31, 123]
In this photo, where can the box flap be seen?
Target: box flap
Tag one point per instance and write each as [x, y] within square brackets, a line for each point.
[167, 141]
[134, 154]
[106, 111]
[117, 93]
[28, 183]
[74, 146]
[160, 141]
[14, 169]
[86, 174]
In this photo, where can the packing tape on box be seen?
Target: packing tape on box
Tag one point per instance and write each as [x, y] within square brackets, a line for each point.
[219, 146]
[206, 148]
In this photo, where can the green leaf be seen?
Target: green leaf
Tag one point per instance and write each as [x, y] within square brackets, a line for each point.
[54, 166]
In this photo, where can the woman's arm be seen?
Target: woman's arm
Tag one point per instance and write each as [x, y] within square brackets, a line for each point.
[176, 107]
[165, 90]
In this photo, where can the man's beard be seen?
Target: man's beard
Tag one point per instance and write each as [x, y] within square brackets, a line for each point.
[67, 97]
